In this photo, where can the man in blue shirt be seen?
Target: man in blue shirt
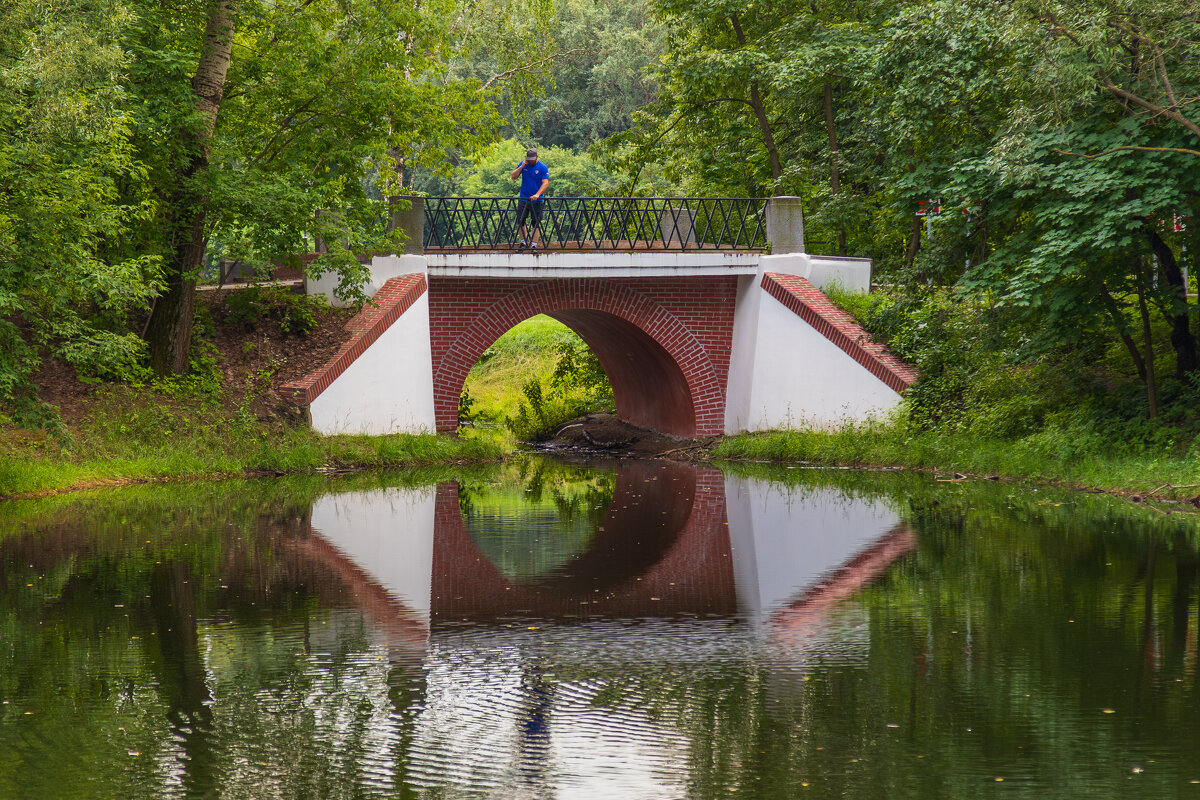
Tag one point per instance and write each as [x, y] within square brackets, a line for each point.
[535, 177]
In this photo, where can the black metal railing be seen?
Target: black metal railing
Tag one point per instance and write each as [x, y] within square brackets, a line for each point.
[600, 223]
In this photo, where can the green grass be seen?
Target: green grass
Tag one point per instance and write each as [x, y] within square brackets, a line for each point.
[135, 438]
[531, 351]
[526, 351]
[1050, 456]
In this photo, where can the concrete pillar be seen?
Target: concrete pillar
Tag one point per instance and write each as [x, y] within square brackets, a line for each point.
[678, 225]
[785, 225]
[411, 220]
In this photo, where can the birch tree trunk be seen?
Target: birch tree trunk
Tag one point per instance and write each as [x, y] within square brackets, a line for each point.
[169, 331]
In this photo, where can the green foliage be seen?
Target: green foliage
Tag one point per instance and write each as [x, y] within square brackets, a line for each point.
[327, 108]
[579, 370]
[571, 174]
[984, 376]
[578, 386]
[533, 417]
[610, 51]
[466, 406]
[535, 377]
[564, 73]
[294, 313]
[65, 158]
[528, 349]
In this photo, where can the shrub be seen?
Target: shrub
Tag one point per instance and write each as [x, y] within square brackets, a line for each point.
[294, 313]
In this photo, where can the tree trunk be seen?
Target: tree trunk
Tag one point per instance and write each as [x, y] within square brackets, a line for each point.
[914, 242]
[1181, 333]
[981, 243]
[835, 177]
[169, 331]
[395, 199]
[914, 237]
[1119, 322]
[1181, 600]
[1151, 385]
[760, 113]
[182, 679]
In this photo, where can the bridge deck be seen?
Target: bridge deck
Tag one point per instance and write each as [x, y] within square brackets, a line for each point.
[558, 263]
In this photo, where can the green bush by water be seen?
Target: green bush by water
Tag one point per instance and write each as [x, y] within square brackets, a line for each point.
[535, 377]
[991, 400]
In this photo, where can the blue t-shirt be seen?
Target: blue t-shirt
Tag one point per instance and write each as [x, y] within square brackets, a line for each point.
[532, 176]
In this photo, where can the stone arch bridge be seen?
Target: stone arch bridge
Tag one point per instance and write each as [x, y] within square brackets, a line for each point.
[700, 331]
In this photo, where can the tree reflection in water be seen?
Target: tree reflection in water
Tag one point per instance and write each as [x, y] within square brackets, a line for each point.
[208, 641]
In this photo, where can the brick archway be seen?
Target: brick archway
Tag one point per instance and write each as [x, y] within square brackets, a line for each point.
[663, 548]
[664, 342]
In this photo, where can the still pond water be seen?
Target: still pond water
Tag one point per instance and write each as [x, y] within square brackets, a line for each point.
[642, 630]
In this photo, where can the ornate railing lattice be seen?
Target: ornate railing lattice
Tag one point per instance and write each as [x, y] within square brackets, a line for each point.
[600, 223]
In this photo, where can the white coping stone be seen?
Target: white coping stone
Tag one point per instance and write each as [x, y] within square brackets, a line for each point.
[851, 274]
[591, 264]
[383, 269]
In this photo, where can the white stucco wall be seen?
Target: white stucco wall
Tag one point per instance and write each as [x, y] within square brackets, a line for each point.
[782, 372]
[387, 533]
[389, 388]
[787, 539]
[851, 274]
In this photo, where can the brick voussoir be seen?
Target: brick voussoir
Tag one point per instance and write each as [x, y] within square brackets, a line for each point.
[807, 301]
[392, 300]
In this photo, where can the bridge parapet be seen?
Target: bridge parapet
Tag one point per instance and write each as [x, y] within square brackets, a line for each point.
[606, 224]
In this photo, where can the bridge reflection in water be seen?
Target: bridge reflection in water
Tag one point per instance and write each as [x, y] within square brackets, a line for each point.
[685, 566]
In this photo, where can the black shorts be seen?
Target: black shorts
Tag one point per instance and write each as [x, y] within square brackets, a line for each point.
[530, 208]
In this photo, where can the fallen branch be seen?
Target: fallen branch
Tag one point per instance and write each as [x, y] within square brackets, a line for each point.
[1173, 486]
[681, 449]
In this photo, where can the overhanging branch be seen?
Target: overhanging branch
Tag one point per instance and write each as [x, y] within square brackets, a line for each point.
[1183, 150]
[530, 66]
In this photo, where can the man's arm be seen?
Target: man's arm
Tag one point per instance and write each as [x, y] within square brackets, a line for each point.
[516, 173]
[541, 190]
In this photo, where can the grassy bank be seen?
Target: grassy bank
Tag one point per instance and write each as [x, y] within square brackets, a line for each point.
[533, 379]
[132, 437]
[1047, 457]
[45, 467]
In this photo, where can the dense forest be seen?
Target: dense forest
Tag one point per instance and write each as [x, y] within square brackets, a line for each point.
[1024, 174]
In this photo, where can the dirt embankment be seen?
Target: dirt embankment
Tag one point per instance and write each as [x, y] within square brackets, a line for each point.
[606, 434]
[253, 357]
[258, 358]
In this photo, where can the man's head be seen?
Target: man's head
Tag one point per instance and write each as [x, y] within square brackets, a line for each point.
[531, 156]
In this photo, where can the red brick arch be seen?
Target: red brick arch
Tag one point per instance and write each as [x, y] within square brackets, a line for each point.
[664, 343]
[662, 548]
